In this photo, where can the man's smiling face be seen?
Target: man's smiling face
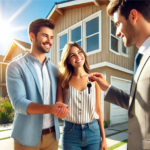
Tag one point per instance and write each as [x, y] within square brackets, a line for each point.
[44, 39]
[125, 29]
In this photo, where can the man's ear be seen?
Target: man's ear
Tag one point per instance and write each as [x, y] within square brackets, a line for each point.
[32, 36]
[134, 15]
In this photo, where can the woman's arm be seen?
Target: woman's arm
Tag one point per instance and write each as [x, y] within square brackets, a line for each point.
[61, 111]
[98, 110]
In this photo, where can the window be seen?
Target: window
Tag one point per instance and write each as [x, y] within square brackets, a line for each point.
[86, 33]
[48, 55]
[62, 41]
[76, 33]
[18, 56]
[116, 43]
[92, 33]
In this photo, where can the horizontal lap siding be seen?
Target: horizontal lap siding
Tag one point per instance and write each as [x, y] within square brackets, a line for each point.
[76, 15]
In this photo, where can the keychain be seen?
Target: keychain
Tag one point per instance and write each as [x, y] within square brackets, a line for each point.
[89, 85]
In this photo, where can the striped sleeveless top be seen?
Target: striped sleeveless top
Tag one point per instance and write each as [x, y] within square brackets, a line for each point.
[81, 105]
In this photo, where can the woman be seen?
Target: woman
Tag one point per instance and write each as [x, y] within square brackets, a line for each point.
[84, 125]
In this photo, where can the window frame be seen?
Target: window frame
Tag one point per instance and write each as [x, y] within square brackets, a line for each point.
[120, 43]
[97, 14]
[73, 27]
[58, 40]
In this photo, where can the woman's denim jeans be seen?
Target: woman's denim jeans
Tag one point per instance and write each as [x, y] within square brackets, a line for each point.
[84, 136]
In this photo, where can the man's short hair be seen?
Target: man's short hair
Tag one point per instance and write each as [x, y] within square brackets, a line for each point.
[35, 25]
[125, 6]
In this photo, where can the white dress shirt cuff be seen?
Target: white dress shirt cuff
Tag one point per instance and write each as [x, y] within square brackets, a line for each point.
[107, 90]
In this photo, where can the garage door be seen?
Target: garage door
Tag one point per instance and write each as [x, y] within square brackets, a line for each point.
[119, 114]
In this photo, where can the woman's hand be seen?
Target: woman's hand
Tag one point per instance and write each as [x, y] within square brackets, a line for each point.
[103, 144]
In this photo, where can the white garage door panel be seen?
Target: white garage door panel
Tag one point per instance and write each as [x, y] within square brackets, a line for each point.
[119, 114]
[119, 119]
[115, 106]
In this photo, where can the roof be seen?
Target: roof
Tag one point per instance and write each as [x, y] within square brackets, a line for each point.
[23, 45]
[58, 8]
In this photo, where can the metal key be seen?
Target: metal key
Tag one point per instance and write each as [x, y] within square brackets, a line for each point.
[89, 86]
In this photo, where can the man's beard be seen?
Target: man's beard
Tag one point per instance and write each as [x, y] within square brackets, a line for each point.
[131, 35]
[40, 48]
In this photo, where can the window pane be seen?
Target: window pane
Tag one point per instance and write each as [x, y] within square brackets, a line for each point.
[92, 26]
[113, 28]
[76, 34]
[124, 49]
[63, 41]
[79, 43]
[114, 44]
[93, 43]
[60, 54]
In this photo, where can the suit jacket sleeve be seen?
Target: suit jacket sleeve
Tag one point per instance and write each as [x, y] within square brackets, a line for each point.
[16, 88]
[117, 97]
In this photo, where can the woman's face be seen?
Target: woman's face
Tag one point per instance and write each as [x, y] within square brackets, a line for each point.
[76, 57]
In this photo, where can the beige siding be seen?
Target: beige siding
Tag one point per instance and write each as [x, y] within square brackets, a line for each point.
[1, 73]
[4, 73]
[75, 15]
[4, 91]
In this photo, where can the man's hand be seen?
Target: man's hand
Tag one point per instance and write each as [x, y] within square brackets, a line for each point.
[100, 79]
[60, 110]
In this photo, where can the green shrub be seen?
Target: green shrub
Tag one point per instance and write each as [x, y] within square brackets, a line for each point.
[6, 111]
[106, 124]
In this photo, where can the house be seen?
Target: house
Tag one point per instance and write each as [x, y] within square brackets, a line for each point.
[3, 65]
[86, 22]
[16, 50]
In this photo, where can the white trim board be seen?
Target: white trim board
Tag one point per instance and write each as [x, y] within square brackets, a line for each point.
[108, 64]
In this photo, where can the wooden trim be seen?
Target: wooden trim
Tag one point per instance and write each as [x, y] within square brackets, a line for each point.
[60, 11]
[96, 3]
[108, 64]
[3, 63]
[72, 3]
[8, 51]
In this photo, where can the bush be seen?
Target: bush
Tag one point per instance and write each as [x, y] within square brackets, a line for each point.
[6, 111]
[106, 124]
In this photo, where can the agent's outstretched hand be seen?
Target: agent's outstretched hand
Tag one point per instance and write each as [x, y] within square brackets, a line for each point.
[100, 79]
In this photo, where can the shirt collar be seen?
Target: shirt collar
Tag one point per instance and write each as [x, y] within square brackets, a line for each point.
[33, 59]
[145, 46]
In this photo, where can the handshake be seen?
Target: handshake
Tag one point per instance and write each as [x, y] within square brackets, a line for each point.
[60, 110]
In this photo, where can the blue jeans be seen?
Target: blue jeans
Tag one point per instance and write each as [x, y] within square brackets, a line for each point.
[84, 136]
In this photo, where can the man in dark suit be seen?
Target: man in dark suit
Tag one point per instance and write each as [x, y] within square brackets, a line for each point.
[132, 19]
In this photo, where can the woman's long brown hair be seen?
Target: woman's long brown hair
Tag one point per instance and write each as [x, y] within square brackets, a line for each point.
[66, 70]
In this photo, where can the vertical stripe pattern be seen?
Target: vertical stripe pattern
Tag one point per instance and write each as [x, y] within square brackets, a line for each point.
[81, 105]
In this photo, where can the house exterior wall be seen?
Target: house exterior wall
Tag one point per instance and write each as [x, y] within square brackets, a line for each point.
[76, 15]
[3, 91]
[108, 72]
[4, 73]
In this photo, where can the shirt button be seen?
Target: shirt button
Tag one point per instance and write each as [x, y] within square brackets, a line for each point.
[80, 109]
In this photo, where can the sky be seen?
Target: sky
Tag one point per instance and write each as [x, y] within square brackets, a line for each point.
[16, 15]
